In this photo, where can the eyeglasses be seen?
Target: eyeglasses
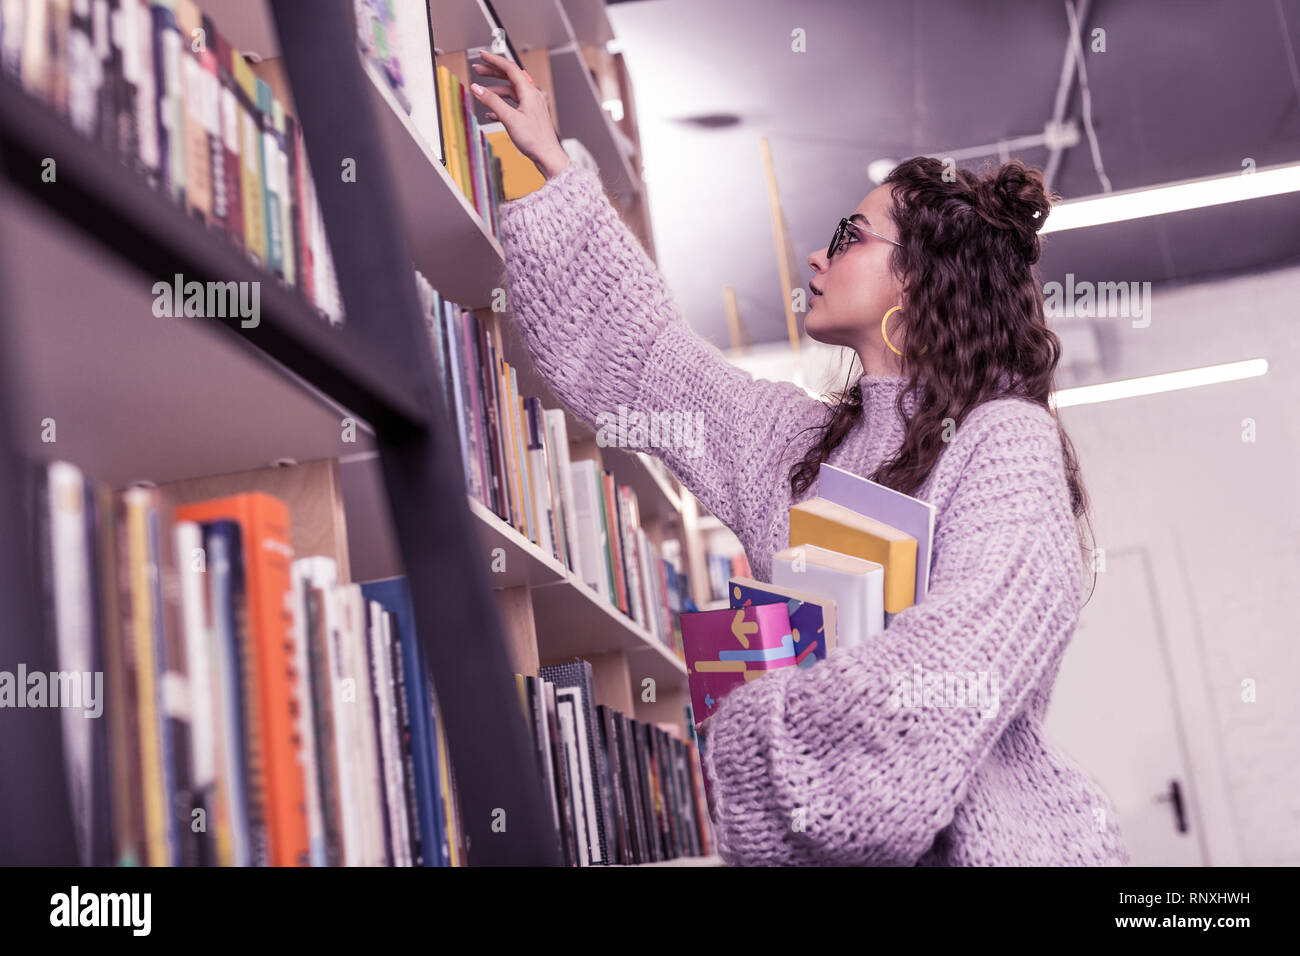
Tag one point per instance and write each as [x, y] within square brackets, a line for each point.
[840, 239]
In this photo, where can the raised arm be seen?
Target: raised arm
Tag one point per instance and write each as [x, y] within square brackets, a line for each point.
[604, 330]
[848, 749]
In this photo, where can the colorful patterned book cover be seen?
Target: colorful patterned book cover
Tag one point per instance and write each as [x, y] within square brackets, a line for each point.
[812, 622]
[727, 647]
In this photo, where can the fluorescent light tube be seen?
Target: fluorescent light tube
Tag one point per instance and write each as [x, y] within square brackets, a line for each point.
[1177, 197]
[1152, 384]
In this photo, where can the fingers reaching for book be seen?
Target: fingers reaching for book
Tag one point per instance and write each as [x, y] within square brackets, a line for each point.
[528, 120]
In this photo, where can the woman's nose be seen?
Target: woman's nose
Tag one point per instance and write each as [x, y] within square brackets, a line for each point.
[817, 261]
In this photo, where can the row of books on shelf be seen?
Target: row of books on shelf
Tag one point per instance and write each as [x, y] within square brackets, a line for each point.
[859, 554]
[156, 85]
[258, 710]
[621, 791]
[723, 566]
[395, 36]
[517, 464]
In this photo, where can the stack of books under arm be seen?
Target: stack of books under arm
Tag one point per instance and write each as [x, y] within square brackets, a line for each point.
[620, 791]
[859, 553]
[516, 459]
[156, 86]
[257, 709]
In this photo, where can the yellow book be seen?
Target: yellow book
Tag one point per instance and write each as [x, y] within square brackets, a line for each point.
[519, 174]
[448, 117]
[140, 570]
[523, 480]
[841, 529]
[250, 160]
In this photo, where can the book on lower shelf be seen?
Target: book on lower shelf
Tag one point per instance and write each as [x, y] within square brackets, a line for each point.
[620, 790]
[262, 710]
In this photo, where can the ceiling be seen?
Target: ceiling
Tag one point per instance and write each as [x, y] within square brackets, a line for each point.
[1184, 89]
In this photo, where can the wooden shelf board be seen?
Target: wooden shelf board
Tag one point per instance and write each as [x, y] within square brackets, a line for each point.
[575, 621]
[582, 118]
[588, 20]
[534, 24]
[250, 27]
[682, 861]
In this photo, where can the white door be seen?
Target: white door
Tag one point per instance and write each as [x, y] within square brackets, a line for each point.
[1113, 711]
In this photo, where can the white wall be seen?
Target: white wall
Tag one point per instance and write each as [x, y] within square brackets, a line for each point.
[1220, 519]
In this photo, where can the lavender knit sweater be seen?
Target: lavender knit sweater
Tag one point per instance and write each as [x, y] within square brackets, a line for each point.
[832, 765]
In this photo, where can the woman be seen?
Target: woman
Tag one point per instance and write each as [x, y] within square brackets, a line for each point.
[930, 283]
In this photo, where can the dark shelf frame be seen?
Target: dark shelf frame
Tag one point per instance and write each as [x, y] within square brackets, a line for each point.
[378, 364]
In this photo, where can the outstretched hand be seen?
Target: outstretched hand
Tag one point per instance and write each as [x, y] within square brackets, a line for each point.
[528, 121]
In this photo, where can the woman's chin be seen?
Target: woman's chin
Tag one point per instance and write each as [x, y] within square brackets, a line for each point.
[817, 329]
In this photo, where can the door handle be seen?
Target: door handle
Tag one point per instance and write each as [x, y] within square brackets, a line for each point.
[1175, 797]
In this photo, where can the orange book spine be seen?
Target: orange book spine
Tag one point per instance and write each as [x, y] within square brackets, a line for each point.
[268, 554]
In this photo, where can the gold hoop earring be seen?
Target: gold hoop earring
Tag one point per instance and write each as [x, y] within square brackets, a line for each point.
[884, 334]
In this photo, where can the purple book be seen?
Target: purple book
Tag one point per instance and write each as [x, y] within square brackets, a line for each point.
[727, 647]
[907, 514]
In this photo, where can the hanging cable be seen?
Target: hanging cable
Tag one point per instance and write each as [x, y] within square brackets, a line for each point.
[1087, 96]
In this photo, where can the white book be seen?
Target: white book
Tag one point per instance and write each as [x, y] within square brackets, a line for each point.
[649, 581]
[321, 572]
[558, 432]
[856, 586]
[627, 512]
[355, 696]
[204, 692]
[416, 58]
[565, 710]
[382, 675]
[544, 740]
[74, 636]
[540, 486]
[590, 795]
[589, 515]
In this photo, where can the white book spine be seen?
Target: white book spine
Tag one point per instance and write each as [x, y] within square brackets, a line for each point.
[74, 631]
[203, 696]
[588, 508]
[559, 431]
[538, 475]
[354, 635]
[859, 598]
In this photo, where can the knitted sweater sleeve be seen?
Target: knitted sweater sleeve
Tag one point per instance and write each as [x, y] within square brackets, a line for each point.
[855, 761]
[604, 331]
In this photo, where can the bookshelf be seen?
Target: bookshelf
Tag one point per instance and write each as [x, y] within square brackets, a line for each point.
[179, 418]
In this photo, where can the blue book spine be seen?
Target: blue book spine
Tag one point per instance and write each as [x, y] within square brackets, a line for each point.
[166, 727]
[222, 544]
[395, 597]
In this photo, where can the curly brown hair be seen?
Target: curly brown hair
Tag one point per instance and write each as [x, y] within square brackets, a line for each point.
[975, 327]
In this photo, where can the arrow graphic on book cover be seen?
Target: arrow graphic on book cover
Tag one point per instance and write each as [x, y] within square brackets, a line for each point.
[739, 628]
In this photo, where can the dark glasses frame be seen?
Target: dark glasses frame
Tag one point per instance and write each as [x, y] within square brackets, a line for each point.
[842, 231]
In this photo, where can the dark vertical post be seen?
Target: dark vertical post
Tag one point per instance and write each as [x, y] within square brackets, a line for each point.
[455, 614]
[35, 813]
